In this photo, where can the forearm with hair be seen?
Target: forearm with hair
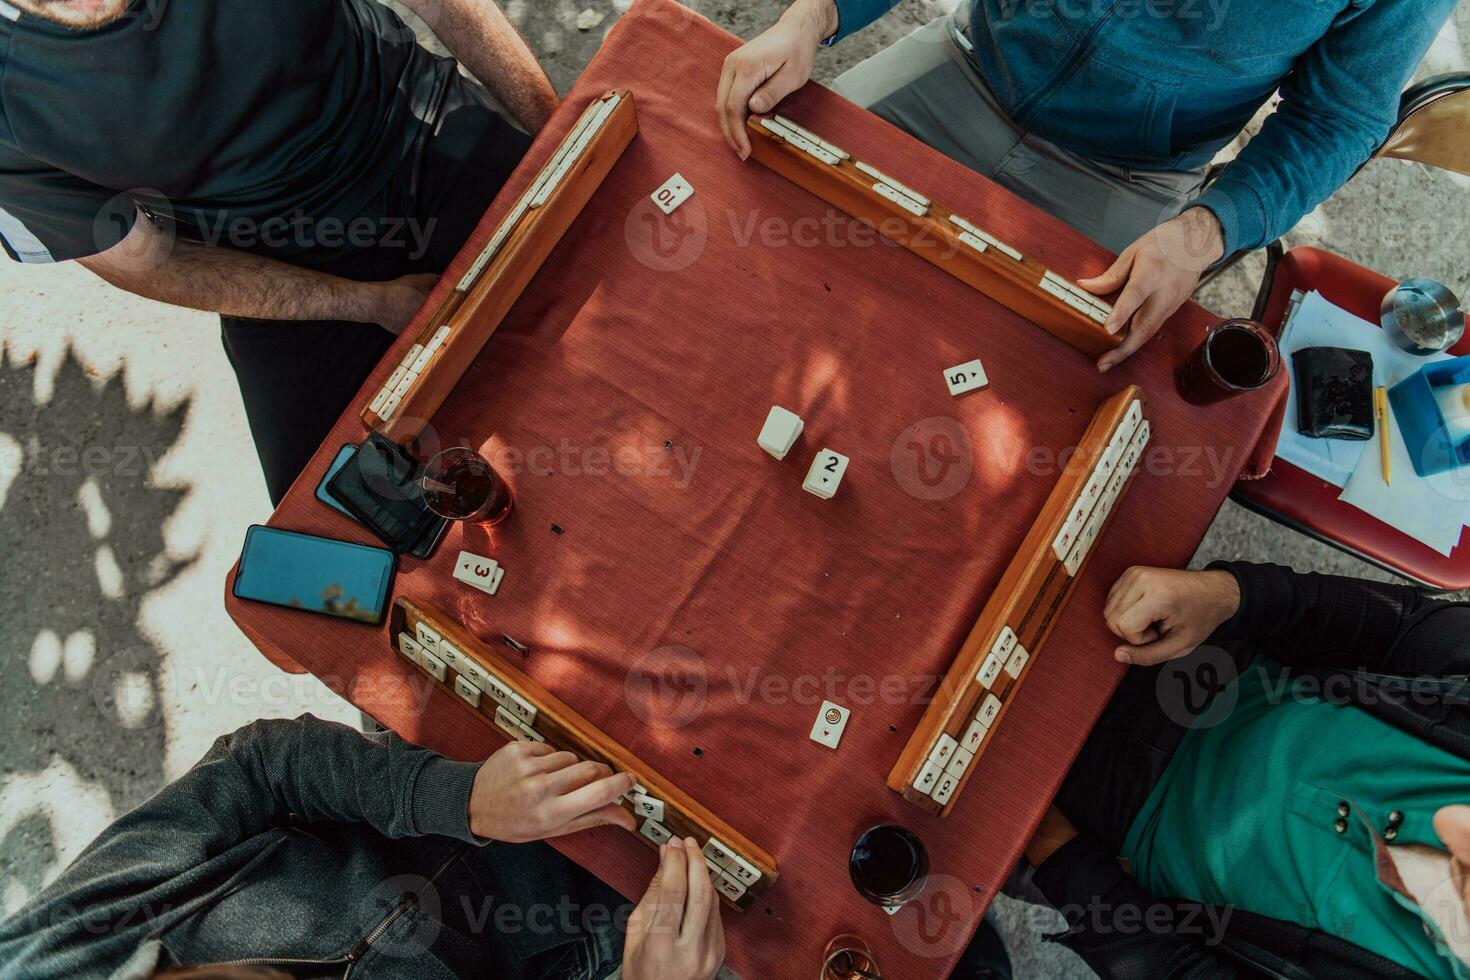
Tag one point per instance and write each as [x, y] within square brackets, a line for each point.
[483, 39]
[234, 283]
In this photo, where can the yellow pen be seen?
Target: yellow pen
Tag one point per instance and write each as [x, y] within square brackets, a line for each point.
[1380, 407]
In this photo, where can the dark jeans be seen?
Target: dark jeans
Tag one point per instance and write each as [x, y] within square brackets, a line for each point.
[297, 377]
[1134, 740]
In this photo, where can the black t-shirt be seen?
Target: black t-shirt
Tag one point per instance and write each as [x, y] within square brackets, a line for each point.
[232, 117]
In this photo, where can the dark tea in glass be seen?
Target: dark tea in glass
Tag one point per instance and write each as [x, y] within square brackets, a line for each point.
[1236, 356]
[889, 865]
[460, 485]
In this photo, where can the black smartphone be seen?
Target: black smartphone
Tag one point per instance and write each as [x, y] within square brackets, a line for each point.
[320, 575]
[379, 485]
[427, 542]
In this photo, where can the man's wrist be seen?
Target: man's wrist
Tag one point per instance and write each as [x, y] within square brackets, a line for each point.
[817, 18]
[1204, 235]
[1224, 593]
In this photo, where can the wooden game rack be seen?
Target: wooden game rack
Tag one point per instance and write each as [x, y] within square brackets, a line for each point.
[465, 320]
[934, 233]
[1025, 606]
[456, 653]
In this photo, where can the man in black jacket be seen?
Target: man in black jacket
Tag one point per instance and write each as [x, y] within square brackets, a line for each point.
[1289, 803]
[306, 848]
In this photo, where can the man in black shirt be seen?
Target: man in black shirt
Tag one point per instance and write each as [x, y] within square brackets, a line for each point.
[301, 167]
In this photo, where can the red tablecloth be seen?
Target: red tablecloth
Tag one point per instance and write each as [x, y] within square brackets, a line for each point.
[624, 394]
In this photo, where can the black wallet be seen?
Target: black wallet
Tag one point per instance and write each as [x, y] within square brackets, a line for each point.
[1334, 393]
[381, 486]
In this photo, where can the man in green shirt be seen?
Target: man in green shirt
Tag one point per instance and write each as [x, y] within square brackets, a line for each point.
[1291, 803]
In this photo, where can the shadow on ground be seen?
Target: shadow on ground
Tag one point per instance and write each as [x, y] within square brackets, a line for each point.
[81, 526]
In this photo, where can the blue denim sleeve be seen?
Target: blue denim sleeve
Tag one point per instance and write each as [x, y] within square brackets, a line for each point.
[1336, 109]
[854, 15]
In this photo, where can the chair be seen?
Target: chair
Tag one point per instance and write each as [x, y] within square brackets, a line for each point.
[1433, 128]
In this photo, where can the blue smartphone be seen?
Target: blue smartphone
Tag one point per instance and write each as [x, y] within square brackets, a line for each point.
[320, 575]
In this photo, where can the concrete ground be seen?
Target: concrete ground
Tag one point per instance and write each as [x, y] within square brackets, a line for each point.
[127, 479]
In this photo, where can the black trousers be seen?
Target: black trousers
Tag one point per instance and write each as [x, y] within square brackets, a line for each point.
[297, 377]
[1136, 737]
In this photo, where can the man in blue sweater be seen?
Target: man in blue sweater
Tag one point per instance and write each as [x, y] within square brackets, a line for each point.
[1106, 112]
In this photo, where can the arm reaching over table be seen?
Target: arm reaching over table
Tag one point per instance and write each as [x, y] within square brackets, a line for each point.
[1158, 273]
[676, 933]
[482, 39]
[1303, 620]
[762, 72]
[1337, 106]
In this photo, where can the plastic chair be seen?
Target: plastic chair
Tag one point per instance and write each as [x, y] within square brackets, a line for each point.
[1295, 498]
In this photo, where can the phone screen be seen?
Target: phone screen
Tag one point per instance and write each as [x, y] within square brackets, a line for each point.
[320, 575]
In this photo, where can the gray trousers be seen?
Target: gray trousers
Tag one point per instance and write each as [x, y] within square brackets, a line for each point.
[928, 86]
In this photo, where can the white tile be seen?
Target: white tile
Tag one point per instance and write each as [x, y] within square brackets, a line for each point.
[395, 377]
[440, 336]
[716, 851]
[973, 241]
[966, 377]
[901, 199]
[728, 887]
[656, 832]
[376, 404]
[469, 692]
[475, 570]
[405, 384]
[927, 777]
[522, 709]
[990, 670]
[409, 647]
[1004, 643]
[821, 153]
[943, 749]
[389, 407]
[410, 357]
[450, 654]
[966, 226]
[507, 723]
[825, 475]
[974, 735]
[421, 363]
[433, 665]
[743, 871]
[714, 870]
[989, 709]
[428, 637]
[780, 431]
[814, 138]
[903, 189]
[945, 788]
[1018, 661]
[672, 193]
[531, 735]
[959, 763]
[1135, 413]
[500, 691]
[648, 806]
[1061, 545]
[831, 722]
